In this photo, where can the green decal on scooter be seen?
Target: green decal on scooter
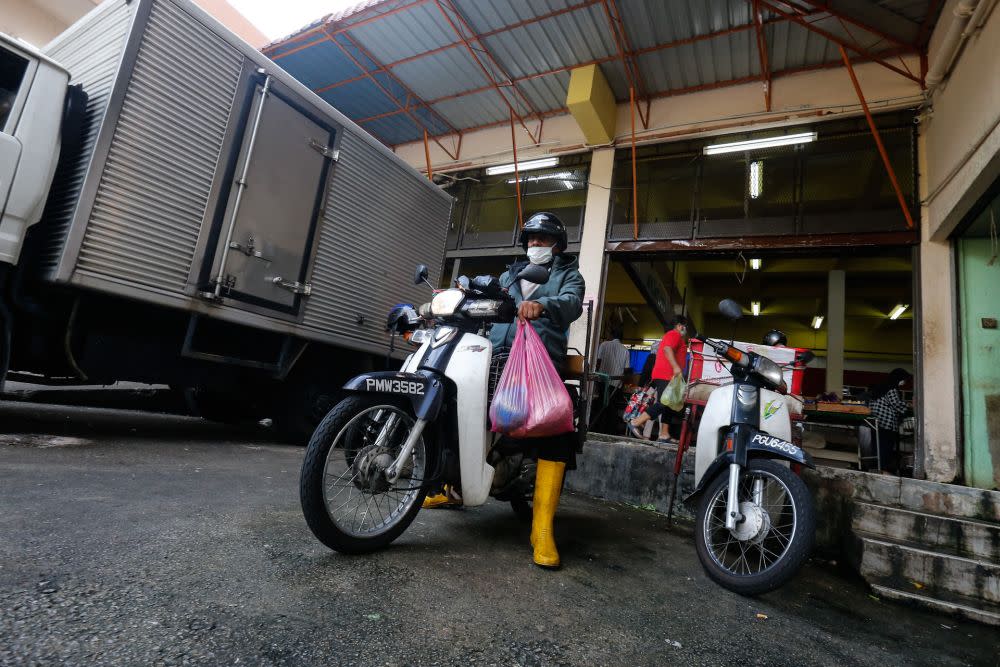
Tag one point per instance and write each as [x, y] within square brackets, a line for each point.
[771, 408]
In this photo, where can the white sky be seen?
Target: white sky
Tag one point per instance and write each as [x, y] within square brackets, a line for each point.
[277, 18]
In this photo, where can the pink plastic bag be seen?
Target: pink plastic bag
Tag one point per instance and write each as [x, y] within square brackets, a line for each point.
[531, 400]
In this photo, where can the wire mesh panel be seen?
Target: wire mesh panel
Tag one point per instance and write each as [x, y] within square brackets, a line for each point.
[835, 184]
[749, 194]
[666, 189]
[845, 186]
[489, 203]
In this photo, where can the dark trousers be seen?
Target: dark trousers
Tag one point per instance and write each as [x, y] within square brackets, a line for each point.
[659, 411]
[888, 450]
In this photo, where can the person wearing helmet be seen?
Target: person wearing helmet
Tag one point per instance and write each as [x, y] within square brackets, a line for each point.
[550, 308]
[775, 338]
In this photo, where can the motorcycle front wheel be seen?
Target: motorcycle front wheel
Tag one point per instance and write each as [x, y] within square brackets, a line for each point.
[347, 501]
[772, 541]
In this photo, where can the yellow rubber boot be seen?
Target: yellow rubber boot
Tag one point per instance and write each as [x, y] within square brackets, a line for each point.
[548, 486]
[446, 499]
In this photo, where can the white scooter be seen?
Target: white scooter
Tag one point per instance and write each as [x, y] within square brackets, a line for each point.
[399, 434]
[755, 521]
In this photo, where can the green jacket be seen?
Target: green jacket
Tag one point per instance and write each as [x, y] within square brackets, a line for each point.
[562, 298]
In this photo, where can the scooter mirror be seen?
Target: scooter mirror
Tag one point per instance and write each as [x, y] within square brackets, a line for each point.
[420, 275]
[806, 357]
[534, 273]
[730, 309]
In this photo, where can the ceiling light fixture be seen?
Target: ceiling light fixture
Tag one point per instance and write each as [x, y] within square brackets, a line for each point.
[756, 144]
[527, 165]
[756, 179]
[817, 322]
[897, 311]
[755, 308]
[756, 263]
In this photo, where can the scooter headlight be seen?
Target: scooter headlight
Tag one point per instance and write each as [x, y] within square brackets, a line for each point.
[771, 372]
[444, 304]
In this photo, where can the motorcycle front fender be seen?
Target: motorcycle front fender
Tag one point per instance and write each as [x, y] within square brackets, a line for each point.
[423, 389]
[720, 464]
[750, 443]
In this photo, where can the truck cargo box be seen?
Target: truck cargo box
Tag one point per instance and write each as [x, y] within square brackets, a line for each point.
[211, 181]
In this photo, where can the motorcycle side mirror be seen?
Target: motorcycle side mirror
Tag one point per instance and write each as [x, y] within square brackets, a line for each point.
[730, 309]
[534, 273]
[806, 357]
[420, 275]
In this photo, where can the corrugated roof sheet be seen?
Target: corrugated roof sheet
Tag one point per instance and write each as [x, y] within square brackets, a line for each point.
[680, 45]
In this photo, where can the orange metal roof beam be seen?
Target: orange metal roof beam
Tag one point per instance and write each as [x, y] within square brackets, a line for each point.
[878, 140]
[404, 108]
[627, 56]
[839, 42]
[765, 68]
[475, 53]
[826, 8]
[324, 27]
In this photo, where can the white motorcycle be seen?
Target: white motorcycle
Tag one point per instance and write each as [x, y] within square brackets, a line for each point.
[399, 434]
[755, 522]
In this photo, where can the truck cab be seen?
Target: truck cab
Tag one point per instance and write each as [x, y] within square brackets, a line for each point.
[33, 120]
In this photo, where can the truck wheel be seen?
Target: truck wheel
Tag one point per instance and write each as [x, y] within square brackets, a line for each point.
[301, 408]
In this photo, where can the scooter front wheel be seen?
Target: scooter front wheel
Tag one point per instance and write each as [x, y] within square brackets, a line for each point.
[348, 502]
[773, 539]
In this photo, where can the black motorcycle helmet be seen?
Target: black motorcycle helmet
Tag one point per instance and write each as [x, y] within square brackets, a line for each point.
[775, 337]
[402, 317]
[544, 223]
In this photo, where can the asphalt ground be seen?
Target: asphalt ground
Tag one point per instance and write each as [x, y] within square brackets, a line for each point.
[131, 538]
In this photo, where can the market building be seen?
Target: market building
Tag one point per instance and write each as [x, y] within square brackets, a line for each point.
[867, 235]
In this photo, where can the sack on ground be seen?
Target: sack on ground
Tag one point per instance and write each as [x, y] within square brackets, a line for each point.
[531, 400]
[673, 395]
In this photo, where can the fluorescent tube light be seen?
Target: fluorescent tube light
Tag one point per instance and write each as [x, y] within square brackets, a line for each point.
[527, 165]
[755, 144]
[897, 311]
[756, 179]
[756, 263]
[817, 322]
[755, 308]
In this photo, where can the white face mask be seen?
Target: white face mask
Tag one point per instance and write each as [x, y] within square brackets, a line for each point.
[540, 255]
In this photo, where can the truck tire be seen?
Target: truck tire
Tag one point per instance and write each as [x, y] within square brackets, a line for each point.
[301, 407]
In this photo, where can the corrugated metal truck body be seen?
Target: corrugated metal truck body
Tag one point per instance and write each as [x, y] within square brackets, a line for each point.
[211, 181]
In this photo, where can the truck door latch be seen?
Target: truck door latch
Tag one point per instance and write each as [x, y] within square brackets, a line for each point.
[249, 249]
[324, 150]
[304, 289]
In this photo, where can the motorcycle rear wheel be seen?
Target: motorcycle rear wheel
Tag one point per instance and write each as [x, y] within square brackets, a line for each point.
[348, 454]
[771, 553]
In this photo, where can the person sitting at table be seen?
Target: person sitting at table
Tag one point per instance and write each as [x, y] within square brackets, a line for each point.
[887, 407]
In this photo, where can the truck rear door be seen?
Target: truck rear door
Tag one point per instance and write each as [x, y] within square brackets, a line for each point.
[267, 257]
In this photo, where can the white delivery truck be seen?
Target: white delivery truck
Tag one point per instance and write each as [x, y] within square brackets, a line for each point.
[177, 209]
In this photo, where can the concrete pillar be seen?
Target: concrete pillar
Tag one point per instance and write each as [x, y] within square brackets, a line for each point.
[593, 237]
[835, 309]
[937, 390]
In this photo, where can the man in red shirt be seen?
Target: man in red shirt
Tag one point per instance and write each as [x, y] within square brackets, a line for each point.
[669, 358]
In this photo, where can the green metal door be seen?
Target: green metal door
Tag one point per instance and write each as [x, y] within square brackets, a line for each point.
[979, 267]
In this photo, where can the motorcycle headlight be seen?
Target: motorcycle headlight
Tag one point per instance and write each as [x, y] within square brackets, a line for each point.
[770, 371]
[444, 304]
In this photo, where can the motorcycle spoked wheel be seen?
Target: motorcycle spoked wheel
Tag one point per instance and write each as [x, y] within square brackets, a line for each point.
[773, 541]
[346, 500]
